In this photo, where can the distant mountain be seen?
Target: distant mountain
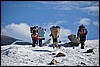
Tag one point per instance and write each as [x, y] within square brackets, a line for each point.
[23, 43]
[7, 40]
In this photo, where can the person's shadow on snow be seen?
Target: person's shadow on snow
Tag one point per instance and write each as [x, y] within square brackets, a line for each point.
[69, 44]
[42, 50]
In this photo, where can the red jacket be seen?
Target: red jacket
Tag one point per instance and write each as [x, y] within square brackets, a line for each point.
[35, 37]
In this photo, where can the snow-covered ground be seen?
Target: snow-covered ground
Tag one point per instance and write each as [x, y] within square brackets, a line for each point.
[25, 55]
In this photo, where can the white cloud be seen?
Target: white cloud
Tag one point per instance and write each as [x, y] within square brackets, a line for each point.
[85, 21]
[66, 2]
[64, 33]
[94, 10]
[56, 23]
[90, 7]
[22, 5]
[60, 22]
[96, 23]
[19, 31]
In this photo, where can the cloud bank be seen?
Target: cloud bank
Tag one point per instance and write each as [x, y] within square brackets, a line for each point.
[22, 31]
[85, 21]
[90, 7]
[19, 31]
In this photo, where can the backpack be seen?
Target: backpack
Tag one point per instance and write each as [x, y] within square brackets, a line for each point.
[82, 31]
[55, 31]
[34, 31]
[31, 29]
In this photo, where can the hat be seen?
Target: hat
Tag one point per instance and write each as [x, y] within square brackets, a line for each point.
[82, 26]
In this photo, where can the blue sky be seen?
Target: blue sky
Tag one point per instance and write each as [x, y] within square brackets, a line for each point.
[18, 16]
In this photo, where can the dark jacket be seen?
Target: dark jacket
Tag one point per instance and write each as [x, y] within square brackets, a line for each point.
[82, 32]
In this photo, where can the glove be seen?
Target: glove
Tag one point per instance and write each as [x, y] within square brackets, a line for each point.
[58, 36]
[50, 35]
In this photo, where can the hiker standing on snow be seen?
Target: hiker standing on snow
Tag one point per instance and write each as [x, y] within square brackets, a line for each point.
[82, 32]
[34, 35]
[41, 33]
[54, 33]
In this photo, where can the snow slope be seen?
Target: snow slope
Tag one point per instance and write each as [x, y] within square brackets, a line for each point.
[25, 55]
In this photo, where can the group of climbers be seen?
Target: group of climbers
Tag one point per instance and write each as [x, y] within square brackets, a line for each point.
[37, 34]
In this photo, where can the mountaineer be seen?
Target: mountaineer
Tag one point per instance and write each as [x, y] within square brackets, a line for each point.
[81, 34]
[41, 33]
[34, 35]
[54, 33]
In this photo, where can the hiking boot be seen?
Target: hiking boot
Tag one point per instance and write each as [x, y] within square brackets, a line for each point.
[82, 47]
[73, 47]
[40, 46]
[53, 47]
[56, 46]
[33, 46]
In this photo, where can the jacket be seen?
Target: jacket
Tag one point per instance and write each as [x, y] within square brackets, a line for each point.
[41, 33]
[35, 37]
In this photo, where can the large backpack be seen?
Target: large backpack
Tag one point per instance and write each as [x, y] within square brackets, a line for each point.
[73, 38]
[55, 31]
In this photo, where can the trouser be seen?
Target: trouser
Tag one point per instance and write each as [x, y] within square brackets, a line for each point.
[55, 43]
[40, 42]
[34, 42]
[82, 44]
[82, 41]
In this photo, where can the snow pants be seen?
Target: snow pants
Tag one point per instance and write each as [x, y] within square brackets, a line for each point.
[55, 43]
[82, 40]
[34, 42]
[40, 42]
